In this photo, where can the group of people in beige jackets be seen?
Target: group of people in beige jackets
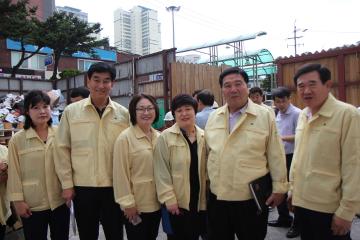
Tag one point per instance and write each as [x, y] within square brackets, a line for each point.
[118, 170]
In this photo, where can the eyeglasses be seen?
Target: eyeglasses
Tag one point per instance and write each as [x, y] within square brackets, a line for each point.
[144, 109]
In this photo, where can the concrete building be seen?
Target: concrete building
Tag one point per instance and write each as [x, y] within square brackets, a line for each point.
[137, 30]
[77, 12]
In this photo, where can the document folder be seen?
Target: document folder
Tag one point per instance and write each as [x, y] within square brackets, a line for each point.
[261, 189]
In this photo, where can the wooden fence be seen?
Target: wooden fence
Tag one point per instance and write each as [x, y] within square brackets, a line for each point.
[344, 64]
[186, 78]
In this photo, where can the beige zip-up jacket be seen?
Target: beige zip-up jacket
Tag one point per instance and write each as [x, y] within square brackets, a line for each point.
[134, 183]
[32, 177]
[4, 202]
[85, 143]
[172, 168]
[325, 171]
[250, 151]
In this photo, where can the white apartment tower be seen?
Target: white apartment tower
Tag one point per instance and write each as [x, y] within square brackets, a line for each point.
[137, 31]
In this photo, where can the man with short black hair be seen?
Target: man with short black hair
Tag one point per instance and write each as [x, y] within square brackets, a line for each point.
[286, 122]
[256, 95]
[325, 172]
[205, 100]
[79, 93]
[243, 145]
[83, 160]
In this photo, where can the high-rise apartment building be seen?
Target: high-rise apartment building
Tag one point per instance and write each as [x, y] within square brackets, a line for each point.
[137, 31]
[76, 12]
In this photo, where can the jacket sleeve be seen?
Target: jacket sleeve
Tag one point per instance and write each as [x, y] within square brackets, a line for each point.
[14, 183]
[121, 174]
[350, 167]
[62, 153]
[162, 172]
[276, 159]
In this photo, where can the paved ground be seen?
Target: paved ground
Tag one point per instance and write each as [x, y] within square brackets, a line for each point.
[273, 233]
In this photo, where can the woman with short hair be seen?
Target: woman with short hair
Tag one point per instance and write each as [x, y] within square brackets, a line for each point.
[33, 185]
[134, 184]
[179, 167]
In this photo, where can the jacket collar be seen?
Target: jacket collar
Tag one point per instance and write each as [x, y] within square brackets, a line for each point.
[31, 133]
[326, 109]
[176, 129]
[251, 108]
[89, 103]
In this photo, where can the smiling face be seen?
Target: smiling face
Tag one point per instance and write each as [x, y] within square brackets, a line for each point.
[312, 91]
[235, 91]
[185, 116]
[145, 113]
[100, 85]
[40, 113]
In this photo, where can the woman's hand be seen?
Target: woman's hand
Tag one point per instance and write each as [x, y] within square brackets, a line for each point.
[173, 209]
[130, 213]
[22, 209]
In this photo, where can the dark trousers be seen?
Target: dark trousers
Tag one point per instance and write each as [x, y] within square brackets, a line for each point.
[148, 229]
[316, 225]
[240, 218]
[97, 204]
[2, 231]
[36, 226]
[283, 209]
[188, 225]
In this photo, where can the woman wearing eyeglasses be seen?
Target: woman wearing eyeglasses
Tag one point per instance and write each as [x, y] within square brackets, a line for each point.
[33, 185]
[179, 168]
[133, 181]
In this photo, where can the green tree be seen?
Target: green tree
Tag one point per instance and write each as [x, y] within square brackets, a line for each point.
[266, 83]
[19, 23]
[66, 35]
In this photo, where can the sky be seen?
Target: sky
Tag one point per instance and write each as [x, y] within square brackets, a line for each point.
[329, 23]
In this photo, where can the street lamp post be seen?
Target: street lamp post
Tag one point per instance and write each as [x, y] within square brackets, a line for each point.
[173, 9]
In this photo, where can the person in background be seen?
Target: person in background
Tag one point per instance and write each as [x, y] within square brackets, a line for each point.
[180, 174]
[205, 100]
[4, 203]
[286, 122]
[134, 184]
[325, 172]
[78, 94]
[243, 145]
[33, 185]
[256, 95]
[169, 120]
[84, 155]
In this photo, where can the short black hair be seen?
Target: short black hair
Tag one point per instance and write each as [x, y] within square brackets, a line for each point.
[206, 97]
[324, 72]
[134, 101]
[196, 92]
[281, 92]
[254, 90]
[233, 70]
[31, 99]
[101, 67]
[182, 100]
[80, 92]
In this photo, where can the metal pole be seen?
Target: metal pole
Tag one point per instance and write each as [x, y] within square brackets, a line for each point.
[173, 9]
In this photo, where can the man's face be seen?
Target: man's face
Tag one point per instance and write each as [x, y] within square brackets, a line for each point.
[235, 91]
[256, 98]
[282, 103]
[312, 91]
[100, 85]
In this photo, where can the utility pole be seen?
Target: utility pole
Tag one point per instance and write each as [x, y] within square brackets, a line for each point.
[173, 9]
[295, 37]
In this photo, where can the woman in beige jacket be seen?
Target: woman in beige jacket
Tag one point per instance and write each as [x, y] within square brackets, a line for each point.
[134, 184]
[4, 203]
[179, 167]
[33, 185]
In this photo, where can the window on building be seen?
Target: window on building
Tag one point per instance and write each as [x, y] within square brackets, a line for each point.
[36, 62]
[84, 65]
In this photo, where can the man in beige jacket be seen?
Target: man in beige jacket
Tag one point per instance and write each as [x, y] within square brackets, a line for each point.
[84, 155]
[325, 172]
[243, 145]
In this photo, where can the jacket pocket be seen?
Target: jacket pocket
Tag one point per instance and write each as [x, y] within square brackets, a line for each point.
[321, 187]
[80, 161]
[82, 129]
[32, 196]
[145, 193]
